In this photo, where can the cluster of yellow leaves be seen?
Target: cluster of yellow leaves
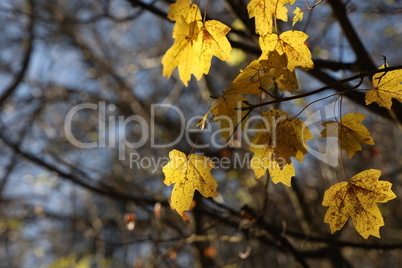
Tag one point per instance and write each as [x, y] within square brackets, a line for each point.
[387, 86]
[188, 173]
[357, 199]
[280, 54]
[196, 42]
[280, 137]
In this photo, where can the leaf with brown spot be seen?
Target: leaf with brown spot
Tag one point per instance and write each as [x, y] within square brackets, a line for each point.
[357, 199]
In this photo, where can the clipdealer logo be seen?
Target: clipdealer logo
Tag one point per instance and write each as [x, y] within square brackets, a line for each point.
[113, 131]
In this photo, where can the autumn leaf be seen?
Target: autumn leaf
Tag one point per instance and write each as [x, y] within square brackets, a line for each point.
[284, 78]
[357, 199]
[195, 45]
[264, 10]
[387, 86]
[185, 8]
[181, 54]
[212, 41]
[264, 159]
[298, 16]
[252, 79]
[350, 132]
[290, 43]
[188, 174]
[286, 136]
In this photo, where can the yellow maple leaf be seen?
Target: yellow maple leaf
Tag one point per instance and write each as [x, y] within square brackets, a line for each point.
[290, 43]
[194, 46]
[264, 10]
[357, 199]
[250, 81]
[188, 174]
[185, 8]
[264, 159]
[286, 136]
[284, 78]
[181, 54]
[387, 86]
[298, 16]
[212, 41]
[350, 132]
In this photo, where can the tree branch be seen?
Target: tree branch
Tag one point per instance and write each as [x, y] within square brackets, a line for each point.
[77, 180]
[338, 85]
[27, 57]
[363, 59]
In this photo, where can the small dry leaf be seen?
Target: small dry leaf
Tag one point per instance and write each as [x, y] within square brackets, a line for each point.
[298, 16]
[209, 252]
[172, 254]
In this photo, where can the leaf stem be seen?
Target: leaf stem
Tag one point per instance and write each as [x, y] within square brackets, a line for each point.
[198, 138]
[340, 140]
[205, 11]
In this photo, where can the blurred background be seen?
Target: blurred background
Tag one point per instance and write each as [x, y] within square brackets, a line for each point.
[62, 205]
